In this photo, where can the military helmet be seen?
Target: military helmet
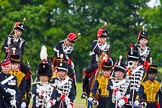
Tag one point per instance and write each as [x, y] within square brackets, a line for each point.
[72, 37]
[107, 65]
[15, 59]
[152, 69]
[19, 26]
[102, 32]
[62, 66]
[143, 34]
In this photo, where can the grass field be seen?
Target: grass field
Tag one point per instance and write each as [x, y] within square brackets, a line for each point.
[78, 99]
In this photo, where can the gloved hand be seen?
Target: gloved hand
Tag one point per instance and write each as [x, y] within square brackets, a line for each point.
[117, 93]
[122, 101]
[7, 49]
[23, 105]
[51, 103]
[70, 105]
[11, 91]
[67, 100]
[84, 95]
[62, 97]
[42, 95]
[95, 103]
[136, 103]
[13, 102]
[90, 99]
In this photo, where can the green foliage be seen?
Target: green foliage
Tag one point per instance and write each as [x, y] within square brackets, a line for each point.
[50, 21]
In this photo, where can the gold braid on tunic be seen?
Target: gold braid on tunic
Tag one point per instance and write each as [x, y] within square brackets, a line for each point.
[103, 81]
[19, 75]
[151, 89]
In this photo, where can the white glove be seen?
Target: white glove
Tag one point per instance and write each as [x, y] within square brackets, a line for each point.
[13, 102]
[23, 105]
[67, 100]
[136, 103]
[11, 91]
[121, 102]
[70, 105]
[90, 99]
[51, 103]
[117, 93]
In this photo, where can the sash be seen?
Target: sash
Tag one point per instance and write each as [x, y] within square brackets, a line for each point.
[6, 80]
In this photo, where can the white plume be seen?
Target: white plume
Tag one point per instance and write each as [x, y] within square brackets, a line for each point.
[43, 53]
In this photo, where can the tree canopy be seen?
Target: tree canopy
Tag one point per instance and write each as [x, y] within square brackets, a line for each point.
[49, 21]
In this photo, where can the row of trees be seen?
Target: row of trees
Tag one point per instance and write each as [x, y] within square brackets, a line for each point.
[49, 21]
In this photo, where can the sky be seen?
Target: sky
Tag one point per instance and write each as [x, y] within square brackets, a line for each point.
[153, 3]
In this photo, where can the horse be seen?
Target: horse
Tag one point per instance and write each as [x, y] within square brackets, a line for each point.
[97, 73]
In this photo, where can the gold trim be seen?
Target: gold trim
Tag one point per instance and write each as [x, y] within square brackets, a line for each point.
[15, 59]
[107, 66]
[152, 67]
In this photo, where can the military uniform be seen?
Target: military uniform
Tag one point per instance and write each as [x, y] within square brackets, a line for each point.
[100, 86]
[11, 42]
[21, 80]
[150, 91]
[97, 48]
[43, 93]
[67, 50]
[144, 52]
[65, 90]
[119, 89]
[9, 92]
[135, 75]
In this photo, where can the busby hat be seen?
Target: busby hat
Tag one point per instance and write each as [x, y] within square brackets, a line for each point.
[72, 37]
[44, 69]
[143, 34]
[5, 62]
[152, 69]
[107, 65]
[19, 26]
[62, 66]
[15, 59]
[102, 32]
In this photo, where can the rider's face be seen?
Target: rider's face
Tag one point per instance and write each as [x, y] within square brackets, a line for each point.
[18, 33]
[143, 41]
[68, 43]
[102, 39]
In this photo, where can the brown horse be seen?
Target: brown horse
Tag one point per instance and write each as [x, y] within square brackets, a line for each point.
[97, 74]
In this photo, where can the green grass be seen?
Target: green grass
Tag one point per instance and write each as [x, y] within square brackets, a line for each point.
[78, 99]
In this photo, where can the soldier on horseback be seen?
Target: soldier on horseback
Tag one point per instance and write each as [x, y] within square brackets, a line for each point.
[15, 43]
[98, 47]
[142, 48]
